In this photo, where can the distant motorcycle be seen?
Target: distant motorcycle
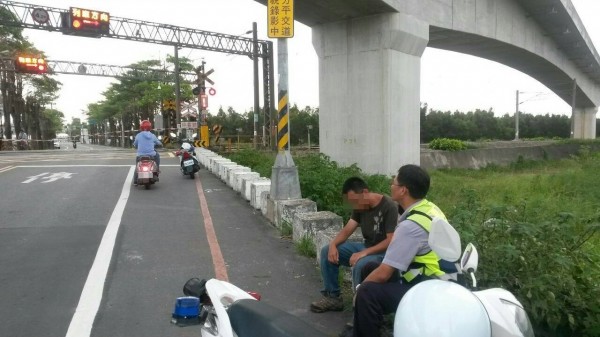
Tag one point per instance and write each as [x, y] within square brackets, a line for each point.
[188, 162]
[147, 171]
[74, 144]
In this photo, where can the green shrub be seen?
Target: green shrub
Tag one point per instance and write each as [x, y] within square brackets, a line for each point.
[259, 162]
[550, 266]
[447, 144]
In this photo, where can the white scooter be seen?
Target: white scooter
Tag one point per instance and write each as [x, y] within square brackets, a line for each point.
[228, 311]
[446, 308]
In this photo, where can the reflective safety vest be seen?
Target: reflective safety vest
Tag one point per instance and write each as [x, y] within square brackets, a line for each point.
[426, 264]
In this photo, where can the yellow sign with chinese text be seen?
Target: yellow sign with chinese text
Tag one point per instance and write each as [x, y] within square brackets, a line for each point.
[280, 16]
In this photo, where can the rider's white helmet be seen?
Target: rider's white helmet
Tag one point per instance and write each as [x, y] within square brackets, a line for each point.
[186, 146]
[436, 308]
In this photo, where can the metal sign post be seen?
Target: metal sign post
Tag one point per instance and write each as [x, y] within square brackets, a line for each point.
[203, 102]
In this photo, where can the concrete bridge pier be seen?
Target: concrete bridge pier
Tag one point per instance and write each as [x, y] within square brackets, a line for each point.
[370, 70]
[584, 124]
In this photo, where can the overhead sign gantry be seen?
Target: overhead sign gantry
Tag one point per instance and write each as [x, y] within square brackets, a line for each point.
[75, 23]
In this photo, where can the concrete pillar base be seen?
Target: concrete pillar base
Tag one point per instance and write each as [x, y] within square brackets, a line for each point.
[585, 123]
[285, 184]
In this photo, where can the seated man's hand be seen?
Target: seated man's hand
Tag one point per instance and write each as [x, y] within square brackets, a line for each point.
[333, 255]
[355, 257]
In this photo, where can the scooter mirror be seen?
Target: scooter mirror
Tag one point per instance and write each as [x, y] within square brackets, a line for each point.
[470, 259]
[444, 240]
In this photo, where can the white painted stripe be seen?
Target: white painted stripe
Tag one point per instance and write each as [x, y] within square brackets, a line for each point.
[91, 296]
[46, 166]
[6, 169]
[42, 166]
[171, 154]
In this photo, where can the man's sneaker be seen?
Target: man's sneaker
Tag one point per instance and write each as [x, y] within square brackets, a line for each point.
[327, 304]
[347, 332]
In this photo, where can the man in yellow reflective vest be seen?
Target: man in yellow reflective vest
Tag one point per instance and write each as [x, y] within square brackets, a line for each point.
[408, 259]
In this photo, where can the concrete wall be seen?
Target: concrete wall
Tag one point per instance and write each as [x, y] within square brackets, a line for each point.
[479, 158]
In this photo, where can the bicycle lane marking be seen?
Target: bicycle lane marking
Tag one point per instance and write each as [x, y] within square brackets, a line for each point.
[91, 296]
[211, 236]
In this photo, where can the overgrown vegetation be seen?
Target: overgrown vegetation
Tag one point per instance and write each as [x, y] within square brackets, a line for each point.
[535, 225]
[321, 178]
[306, 247]
[447, 144]
[286, 230]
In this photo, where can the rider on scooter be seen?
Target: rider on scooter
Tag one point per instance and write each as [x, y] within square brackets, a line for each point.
[144, 143]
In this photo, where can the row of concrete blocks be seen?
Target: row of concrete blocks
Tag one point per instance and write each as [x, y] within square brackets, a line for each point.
[301, 214]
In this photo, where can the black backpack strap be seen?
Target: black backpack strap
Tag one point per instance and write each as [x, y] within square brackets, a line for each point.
[419, 213]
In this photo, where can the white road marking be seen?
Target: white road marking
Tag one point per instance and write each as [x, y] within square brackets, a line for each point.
[32, 178]
[50, 166]
[6, 169]
[91, 296]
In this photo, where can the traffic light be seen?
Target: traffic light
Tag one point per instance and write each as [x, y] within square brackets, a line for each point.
[31, 65]
[173, 119]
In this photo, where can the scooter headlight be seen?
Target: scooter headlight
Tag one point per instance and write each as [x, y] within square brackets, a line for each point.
[521, 319]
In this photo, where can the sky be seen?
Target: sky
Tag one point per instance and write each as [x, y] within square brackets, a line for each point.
[449, 81]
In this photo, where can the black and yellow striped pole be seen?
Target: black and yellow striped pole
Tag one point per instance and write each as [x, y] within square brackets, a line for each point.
[285, 183]
[283, 129]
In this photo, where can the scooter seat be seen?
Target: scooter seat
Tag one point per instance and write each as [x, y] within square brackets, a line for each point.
[251, 318]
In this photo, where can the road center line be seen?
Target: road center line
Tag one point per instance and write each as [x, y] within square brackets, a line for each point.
[211, 236]
[91, 296]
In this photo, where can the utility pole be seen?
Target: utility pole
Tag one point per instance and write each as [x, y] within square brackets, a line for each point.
[122, 133]
[517, 118]
[177, 91]
[255, 61]
[285, 183]
[573, 102]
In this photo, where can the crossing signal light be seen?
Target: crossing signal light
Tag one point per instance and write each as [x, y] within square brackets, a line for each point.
[31, 65]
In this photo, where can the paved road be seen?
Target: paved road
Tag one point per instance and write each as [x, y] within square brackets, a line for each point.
[57, 206]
